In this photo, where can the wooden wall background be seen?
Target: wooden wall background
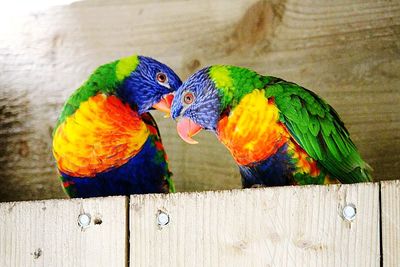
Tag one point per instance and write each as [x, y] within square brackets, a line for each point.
[347, 51]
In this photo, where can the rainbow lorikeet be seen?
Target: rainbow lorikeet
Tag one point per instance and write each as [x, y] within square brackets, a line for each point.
[105, 141]
[278, 132]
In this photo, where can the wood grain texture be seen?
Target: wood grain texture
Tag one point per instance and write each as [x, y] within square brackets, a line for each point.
[46, 233]
[287, 226]
[390, 212]
[346, 51]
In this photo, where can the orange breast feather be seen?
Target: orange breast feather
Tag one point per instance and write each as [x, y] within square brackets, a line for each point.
[103, 133]
[252, 131]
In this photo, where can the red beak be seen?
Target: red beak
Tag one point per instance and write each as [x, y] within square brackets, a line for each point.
[165, 104]
[186, 129]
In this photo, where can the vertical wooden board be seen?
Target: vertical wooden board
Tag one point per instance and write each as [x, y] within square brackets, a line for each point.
[287, 226]
[390, 212]
[46, 233]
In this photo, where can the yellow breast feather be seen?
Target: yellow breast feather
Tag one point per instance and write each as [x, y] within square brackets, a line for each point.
[101, 134]
[252, 131]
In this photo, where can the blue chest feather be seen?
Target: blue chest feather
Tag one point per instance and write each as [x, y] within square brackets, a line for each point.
[273, 171]
[144, 173]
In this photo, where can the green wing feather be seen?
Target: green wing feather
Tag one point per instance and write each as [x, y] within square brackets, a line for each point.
[317, 128]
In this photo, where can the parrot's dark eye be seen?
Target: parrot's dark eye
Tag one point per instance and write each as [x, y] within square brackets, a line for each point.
[188, 98]
[161, 77]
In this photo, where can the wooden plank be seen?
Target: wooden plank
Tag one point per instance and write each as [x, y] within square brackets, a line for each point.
[346, 51]
[390, 212]
[287, 226]
[46, 233]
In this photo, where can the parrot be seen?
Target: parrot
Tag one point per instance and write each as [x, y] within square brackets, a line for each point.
[279, 133]
[105, 141]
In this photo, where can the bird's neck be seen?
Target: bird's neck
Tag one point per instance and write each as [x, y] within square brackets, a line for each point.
[231, 94]
[103, 80]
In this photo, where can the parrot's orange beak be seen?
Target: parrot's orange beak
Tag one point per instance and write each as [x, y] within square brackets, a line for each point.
[165, 104]
[186, 129]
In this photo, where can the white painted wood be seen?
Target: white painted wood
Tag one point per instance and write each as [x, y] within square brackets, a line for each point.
[390, 205]
[286, 226]
[46, 233]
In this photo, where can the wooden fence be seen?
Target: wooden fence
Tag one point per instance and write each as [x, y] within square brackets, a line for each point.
[339, 225]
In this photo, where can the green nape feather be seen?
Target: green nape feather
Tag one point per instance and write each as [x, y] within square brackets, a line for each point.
[103, 80]
[317, 128]
[234, 83]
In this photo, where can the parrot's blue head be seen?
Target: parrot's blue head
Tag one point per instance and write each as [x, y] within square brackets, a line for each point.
[196, 105]
[149, 85]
